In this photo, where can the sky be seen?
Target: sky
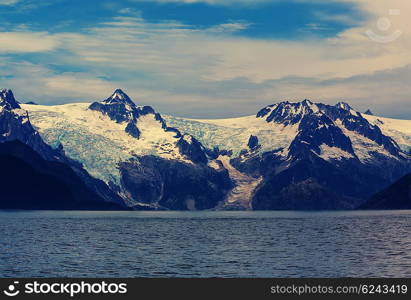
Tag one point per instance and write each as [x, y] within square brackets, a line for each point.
[209, 58]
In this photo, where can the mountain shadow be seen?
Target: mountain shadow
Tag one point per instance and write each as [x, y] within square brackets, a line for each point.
[27, 181]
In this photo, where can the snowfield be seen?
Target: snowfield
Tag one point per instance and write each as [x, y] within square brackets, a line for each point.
[233, 134]
[399, 130]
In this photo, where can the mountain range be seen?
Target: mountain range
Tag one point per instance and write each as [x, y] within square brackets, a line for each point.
[115, 154]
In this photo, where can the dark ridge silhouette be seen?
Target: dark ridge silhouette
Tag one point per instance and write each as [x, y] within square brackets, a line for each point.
[396, 196]
[27, 181]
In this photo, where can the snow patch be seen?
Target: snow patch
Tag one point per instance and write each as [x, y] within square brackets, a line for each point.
[188, 138]
[399, 130]
[333, 153]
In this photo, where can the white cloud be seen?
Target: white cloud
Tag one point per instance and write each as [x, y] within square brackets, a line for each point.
[8, 2]
[36, 82]
[78, 85]
[26, 42]
[174, 49]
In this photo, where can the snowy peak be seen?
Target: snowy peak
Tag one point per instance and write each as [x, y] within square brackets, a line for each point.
[7, 99]
[307, 103]
[10, 107]
[343, 105]
[121, 109]
[15, 125]
[331, 125]
[288, 113]
[119, 97]
[143, 122]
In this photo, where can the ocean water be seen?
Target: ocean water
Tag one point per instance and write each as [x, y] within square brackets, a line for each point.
[205, 244]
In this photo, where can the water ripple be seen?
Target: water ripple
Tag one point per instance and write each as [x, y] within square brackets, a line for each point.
[205, 244]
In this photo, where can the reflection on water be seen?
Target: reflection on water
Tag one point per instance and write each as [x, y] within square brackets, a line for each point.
[205, 244]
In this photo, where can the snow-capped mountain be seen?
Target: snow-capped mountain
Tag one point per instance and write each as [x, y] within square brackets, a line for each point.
[300, 155]
[132, 149]
[7, 100]
[309, 151]
[53, 175]
[121, 109]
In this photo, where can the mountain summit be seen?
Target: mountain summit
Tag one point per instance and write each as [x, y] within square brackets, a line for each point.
[119, 97]
[7, 99]
[287, 113]
[120, 108]
[343, 105]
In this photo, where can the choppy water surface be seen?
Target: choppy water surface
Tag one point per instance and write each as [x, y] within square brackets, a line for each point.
[205, 244]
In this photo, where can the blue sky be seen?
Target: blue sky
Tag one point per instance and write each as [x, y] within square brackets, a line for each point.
[265, 19]
[198, 57]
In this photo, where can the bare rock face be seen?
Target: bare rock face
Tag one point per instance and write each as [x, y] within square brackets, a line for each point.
[253, 142]
[192, 148]
[167, 184]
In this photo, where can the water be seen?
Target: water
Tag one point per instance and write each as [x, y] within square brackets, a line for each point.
[205, 244]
